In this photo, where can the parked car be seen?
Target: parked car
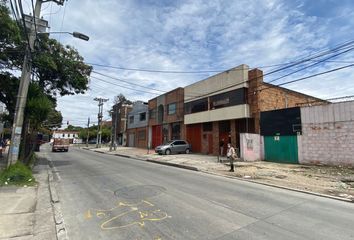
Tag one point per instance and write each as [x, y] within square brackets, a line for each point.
[175, 146]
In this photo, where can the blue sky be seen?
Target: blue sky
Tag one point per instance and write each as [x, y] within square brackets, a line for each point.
[199, 35]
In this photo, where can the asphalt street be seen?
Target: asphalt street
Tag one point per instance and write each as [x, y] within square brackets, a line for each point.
[110, 197]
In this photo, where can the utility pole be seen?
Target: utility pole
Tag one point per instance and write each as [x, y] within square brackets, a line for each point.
[100, 116]
[88, 131]
[114, 129]
[23, 88]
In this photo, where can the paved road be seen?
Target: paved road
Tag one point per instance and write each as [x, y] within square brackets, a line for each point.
[109, 197]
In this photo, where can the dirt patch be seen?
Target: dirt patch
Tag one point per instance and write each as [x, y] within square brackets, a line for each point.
[335, 181]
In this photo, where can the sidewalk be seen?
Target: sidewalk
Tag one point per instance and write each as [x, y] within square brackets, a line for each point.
[26, 212]
[333, 181]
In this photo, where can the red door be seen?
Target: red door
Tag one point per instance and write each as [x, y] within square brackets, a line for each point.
[194, 136]
[156, 135]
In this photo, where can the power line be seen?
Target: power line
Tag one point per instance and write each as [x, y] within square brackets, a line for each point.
[99, 79]
[129, 82]
[314, 64]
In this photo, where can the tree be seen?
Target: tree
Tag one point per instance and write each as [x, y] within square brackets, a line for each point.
[120, 98]
[57, 70]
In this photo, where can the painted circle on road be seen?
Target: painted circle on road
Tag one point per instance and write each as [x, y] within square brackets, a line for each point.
[139, 191]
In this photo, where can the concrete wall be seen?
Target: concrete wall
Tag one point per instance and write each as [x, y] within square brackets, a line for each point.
[219, 82]
[251, 147]
[138, 107]
[327, 134]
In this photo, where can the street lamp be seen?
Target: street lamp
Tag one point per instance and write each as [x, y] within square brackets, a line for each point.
[74, 34]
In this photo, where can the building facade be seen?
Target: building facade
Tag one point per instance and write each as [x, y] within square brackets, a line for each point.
[73, 136]
[229, 103]
[119, 122]
[166, 118]
[137, 131]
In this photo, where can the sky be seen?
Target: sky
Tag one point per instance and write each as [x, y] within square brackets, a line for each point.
[197, 35]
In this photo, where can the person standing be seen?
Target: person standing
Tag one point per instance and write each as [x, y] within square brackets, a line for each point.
[231, 154]
[221, 146]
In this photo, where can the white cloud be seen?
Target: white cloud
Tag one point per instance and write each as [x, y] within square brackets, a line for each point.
[197, 35]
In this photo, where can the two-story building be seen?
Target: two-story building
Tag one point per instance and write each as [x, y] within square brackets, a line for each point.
[166, 117]
[137, 132]
[229, 103]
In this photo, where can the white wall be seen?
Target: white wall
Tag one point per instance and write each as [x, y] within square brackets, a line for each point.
[327, 134]
[223, 82]
[251, 147]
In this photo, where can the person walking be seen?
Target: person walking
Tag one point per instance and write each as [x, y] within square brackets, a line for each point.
[231, 154]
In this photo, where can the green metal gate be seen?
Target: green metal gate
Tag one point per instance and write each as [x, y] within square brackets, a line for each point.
[282, 149]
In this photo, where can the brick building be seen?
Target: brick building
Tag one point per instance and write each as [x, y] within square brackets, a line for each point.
[137, 125]
[119, 120]
[166, 117]
[229, 103]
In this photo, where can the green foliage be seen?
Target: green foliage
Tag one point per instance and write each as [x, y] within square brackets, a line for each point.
[73, 128]
[60, 69]
[57, 69]
[106, 133]
[54, 119]
[38, 105]
[17, 174]
[10, 36]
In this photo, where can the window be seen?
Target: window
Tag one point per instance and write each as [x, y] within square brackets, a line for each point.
[179, 143]
[68, 134]
[171, 108]
[160, 113]
[234, 97]
[142, 116]
[142, 135]
[197, 106]
[176, 131]
[131, 119]
[63, 134]
[207, 127]
[152, 113]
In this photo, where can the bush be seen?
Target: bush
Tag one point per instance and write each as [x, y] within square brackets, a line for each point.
[17, 174]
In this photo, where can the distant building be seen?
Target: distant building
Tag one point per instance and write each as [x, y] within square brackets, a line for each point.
[119, 120]
[107, 123]
[72, 135]
[137, 125]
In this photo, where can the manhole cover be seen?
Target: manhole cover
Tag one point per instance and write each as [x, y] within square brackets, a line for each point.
[139, 192]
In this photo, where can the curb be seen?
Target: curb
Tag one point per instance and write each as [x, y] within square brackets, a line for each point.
[237, 178]
[61, 232]
[126, 156]
[173, 165]
[53, 193]
[282, 187]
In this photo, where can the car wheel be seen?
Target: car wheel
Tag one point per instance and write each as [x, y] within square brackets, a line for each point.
[187, 151]
[168, 152]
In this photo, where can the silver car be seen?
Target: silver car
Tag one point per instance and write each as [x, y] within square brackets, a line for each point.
[175, 146]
